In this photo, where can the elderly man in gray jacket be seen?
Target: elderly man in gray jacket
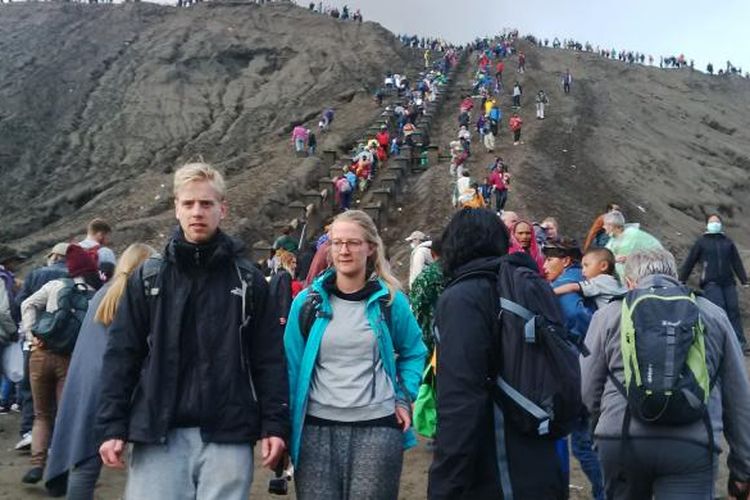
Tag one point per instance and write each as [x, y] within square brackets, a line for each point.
[668, 462]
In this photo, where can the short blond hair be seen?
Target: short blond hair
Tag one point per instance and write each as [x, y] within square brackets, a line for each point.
[196, 172]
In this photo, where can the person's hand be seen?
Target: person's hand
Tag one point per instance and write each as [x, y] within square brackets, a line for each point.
[403, 417]
[738, 490]
[272, 448]
[621, 259]
[282, 321]
[111, 453]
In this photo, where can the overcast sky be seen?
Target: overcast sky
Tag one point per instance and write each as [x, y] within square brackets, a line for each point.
[706, 31]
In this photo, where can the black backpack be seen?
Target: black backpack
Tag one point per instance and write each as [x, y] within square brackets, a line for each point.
[538, 383]
[59, 329]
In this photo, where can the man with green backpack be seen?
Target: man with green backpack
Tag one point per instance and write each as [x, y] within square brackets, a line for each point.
[665, 377]
[51, 318]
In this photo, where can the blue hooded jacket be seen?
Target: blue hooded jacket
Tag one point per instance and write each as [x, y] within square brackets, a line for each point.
[577, 313]
[405, 340]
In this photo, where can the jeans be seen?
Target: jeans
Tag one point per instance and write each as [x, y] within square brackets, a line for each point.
[24, 394]
[517, 135]
[726, 298]
[582, 446]
[517, 101]
[7, 391]
[501, 196]
[47, 371]
[299, 145]
[186, 467]
[82, 479]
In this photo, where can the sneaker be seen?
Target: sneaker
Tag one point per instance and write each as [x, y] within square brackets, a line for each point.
[15, 407]
[24, 443]
[33, 476]
[4, 409]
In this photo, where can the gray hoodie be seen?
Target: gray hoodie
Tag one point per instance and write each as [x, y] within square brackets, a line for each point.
[729, 402]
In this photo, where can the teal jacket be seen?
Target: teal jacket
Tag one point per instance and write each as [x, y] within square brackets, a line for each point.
[406, 341]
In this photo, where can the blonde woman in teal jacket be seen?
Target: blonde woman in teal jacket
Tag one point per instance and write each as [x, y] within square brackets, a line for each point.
[353, 373]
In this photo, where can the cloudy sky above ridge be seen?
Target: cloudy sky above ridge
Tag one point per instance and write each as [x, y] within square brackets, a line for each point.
[714, 31]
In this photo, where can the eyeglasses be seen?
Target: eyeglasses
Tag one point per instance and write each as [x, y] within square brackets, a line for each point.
[352, 245]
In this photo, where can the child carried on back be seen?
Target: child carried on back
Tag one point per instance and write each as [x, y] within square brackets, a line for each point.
[601, 283]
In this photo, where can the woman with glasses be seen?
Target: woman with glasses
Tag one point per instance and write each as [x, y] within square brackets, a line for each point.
[354, 364]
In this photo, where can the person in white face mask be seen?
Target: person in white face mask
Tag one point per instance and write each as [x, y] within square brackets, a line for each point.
[421, 256]
[721, 262]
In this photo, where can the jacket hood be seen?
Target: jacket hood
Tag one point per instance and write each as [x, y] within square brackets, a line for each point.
[480, 265]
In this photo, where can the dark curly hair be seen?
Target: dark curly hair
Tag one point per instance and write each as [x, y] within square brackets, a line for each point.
[471, 234]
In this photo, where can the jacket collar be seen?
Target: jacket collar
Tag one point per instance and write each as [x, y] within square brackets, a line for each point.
[657, 281]
[318, 286]
[220, 250]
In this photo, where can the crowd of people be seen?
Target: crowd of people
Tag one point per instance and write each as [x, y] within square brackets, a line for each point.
[635, 57]
[176, 363]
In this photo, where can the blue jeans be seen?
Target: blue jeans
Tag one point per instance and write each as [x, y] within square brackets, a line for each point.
[24, 394]
[186, 467]
[726, 298]
[582, 446]
[299, 145]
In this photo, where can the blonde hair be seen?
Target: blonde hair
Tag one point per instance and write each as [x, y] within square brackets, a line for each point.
[196, 172]
[286, 258]
[129, 261]
[376, 261]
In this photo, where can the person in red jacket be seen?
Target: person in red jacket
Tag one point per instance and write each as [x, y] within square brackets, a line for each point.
[383, 137]
[521, 62]
[499, 71]
[516, 123]
[499, 187]
[467, 104]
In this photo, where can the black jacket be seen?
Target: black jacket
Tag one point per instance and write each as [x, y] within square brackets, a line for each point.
[464, 465]
[142, 360]
[280, 290]
[720, 259]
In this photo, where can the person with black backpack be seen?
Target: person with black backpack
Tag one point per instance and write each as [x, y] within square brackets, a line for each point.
[508, 380]
[665, 377]
[355, 358]
[51, 318]
[194, 366]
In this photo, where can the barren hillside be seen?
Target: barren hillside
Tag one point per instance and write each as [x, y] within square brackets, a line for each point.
[98, 103]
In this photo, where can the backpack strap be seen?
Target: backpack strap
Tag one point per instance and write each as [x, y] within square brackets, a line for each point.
[152, 269]
[245, 271]
[529, 329]
[528, 406]
[501, 453]
[310, 311]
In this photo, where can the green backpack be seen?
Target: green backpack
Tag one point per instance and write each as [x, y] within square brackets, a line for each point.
[664, 356]
[425, 406]
[59, 329]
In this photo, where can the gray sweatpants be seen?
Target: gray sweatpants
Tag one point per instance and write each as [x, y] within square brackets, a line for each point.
[185, 467]
[664, 469]
[349, 463]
